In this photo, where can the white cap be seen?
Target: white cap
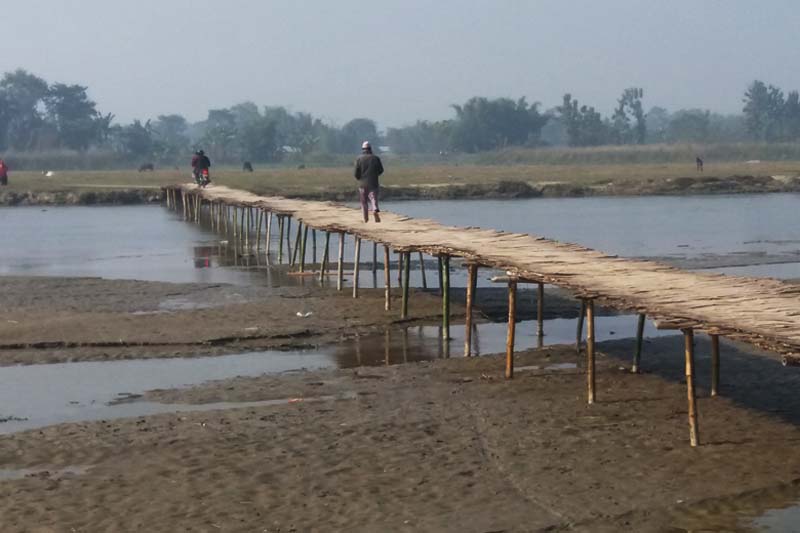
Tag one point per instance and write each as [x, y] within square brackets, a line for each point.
[365, 145]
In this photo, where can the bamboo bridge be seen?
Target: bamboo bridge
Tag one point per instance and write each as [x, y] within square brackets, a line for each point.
[761, 312]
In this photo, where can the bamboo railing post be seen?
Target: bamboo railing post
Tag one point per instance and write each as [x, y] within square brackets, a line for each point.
[422, 271]
[324, 264]
[714, 365]
[235, 227]
[579, 333]
[540, 310]
[340, 273]
[590, 355]
[639, 341]
[269, 231]
[356, 265]
[445, 297]
[303, 249]
[694, 431]
[387, 280]
[225, 217]
[280, 238]
[297, 241]
[405, 285]
[512, 324]
[472, 272]
[374, 258]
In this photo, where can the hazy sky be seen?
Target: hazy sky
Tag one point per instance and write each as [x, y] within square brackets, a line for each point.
[397, 61]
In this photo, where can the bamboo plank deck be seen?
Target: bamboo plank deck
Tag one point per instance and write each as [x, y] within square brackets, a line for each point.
[759, 311]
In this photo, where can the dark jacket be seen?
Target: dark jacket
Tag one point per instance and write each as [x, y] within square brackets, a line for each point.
[368, 168]
[203, 162]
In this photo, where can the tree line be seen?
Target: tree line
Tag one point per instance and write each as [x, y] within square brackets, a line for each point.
[36, 116]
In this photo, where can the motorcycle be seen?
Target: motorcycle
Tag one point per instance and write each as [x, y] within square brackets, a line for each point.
[202, 177]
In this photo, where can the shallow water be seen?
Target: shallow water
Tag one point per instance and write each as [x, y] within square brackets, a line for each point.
[153, 243]
[40, 395]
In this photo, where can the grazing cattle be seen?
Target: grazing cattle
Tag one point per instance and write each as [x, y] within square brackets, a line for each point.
[247, 166]
[147, 167]
[300, 167]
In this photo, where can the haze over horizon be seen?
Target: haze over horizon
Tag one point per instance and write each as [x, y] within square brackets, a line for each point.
[400, 62]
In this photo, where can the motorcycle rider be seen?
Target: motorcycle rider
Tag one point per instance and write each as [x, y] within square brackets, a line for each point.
[201, 168]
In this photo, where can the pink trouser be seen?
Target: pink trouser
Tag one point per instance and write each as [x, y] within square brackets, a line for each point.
[369, 200]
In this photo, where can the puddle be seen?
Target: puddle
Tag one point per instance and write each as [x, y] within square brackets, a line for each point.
[45, 473]
[41, 395]
[774, 509]
[555, 366]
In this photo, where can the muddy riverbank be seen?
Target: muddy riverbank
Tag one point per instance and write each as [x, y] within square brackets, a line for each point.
[503, 189]
[442, 446]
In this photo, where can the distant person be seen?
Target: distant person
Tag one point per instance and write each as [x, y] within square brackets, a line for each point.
[699, 164]
[368, 169]
[203, 166]
[3, 173]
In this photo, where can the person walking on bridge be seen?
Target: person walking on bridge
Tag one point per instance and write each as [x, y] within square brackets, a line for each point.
[368, 169]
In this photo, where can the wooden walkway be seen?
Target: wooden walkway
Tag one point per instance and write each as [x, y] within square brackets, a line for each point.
[762, 312]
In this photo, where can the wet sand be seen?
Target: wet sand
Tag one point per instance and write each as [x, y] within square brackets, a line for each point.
[442, 446]
[99, 319]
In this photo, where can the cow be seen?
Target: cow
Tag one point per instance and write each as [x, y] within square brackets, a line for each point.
[247, 166]
[147, 167]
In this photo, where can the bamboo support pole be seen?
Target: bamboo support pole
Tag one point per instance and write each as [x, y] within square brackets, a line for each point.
[327, 248]
[356, 265]
[280, 238]
[303, 249]
[259, 217]
[472, 272]
[269, 232]
[297, 241]
[325, 258]
[639, 341]
[289, 237]
[387, 280]
[225, 216]
[512, 324]
[590, 353]
[400, 256]
[405, 285]
[441, 286]
[340, 273]
[249, 227]
[313, 247]
[445, 296]
[540, 310]
[374, 258]
[714, 365]
[242, 227]
[579, 333]
[694, 432]
[422, 271]
[235, 227]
